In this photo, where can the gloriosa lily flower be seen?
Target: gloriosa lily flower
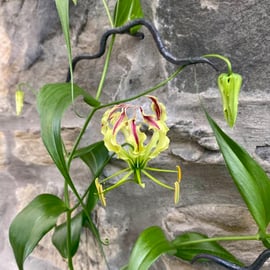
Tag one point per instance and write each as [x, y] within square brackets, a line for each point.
[123, 135]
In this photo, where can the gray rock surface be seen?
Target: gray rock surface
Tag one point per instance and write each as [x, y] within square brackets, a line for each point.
[32, 51]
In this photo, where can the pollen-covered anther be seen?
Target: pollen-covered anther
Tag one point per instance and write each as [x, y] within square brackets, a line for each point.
[100, 192]
[179, 174]
[176, 192]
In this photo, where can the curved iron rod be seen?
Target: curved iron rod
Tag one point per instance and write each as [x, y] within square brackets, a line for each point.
[158, 41]
[256, 265]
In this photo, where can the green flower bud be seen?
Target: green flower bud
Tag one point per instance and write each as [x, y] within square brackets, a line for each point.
[229, 86]
[19, 98]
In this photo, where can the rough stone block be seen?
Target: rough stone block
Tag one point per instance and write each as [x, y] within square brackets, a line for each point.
[29, 147]
[3, 150]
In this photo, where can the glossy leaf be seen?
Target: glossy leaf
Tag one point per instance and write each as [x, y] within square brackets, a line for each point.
[127, 10]
[63, 12]
[149, 246]
[250, 179]
[59, 237]
[53, 100]
[62, 7]
[187, 251]
[95, 156]
[32, 223]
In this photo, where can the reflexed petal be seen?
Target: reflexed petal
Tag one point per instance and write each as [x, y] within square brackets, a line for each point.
[134, 133]
[123, 135]
[120, 121]
[158, 108]
[150, 120]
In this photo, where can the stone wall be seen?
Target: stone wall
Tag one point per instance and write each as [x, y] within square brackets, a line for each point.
[32, 51]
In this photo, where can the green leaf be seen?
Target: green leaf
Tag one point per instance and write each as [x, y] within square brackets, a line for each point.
[188, 251]
[62, 7]
[250, 179]
[149, 246]
[59, 237]
[95, 156]
[127, 10]
[32, 223]
[63, 12]
[53, 100]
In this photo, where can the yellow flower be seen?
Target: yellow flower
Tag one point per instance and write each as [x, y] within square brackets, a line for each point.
[122, 127]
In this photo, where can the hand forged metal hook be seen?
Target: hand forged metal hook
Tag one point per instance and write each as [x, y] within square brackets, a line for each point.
[125, 29]
[256, 265]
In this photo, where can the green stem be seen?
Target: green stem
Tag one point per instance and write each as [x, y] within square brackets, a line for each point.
[78, 139]
[220, 238]
[225, 59]
[27, 87]
[70, 263]
[105, 68]
[146, 92]
[108, 12]
[108, 55]
[68, 217]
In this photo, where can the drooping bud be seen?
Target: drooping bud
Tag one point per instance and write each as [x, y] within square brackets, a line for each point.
[229, 86]
[19, 99]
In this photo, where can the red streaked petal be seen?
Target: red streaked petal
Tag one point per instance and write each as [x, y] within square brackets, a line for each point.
[149, 119]
[120, 120]
[134, 132]
[157, 109]
[114, 109]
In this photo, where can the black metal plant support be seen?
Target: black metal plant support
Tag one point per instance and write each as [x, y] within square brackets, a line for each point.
[256, 265]
[125, 29]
